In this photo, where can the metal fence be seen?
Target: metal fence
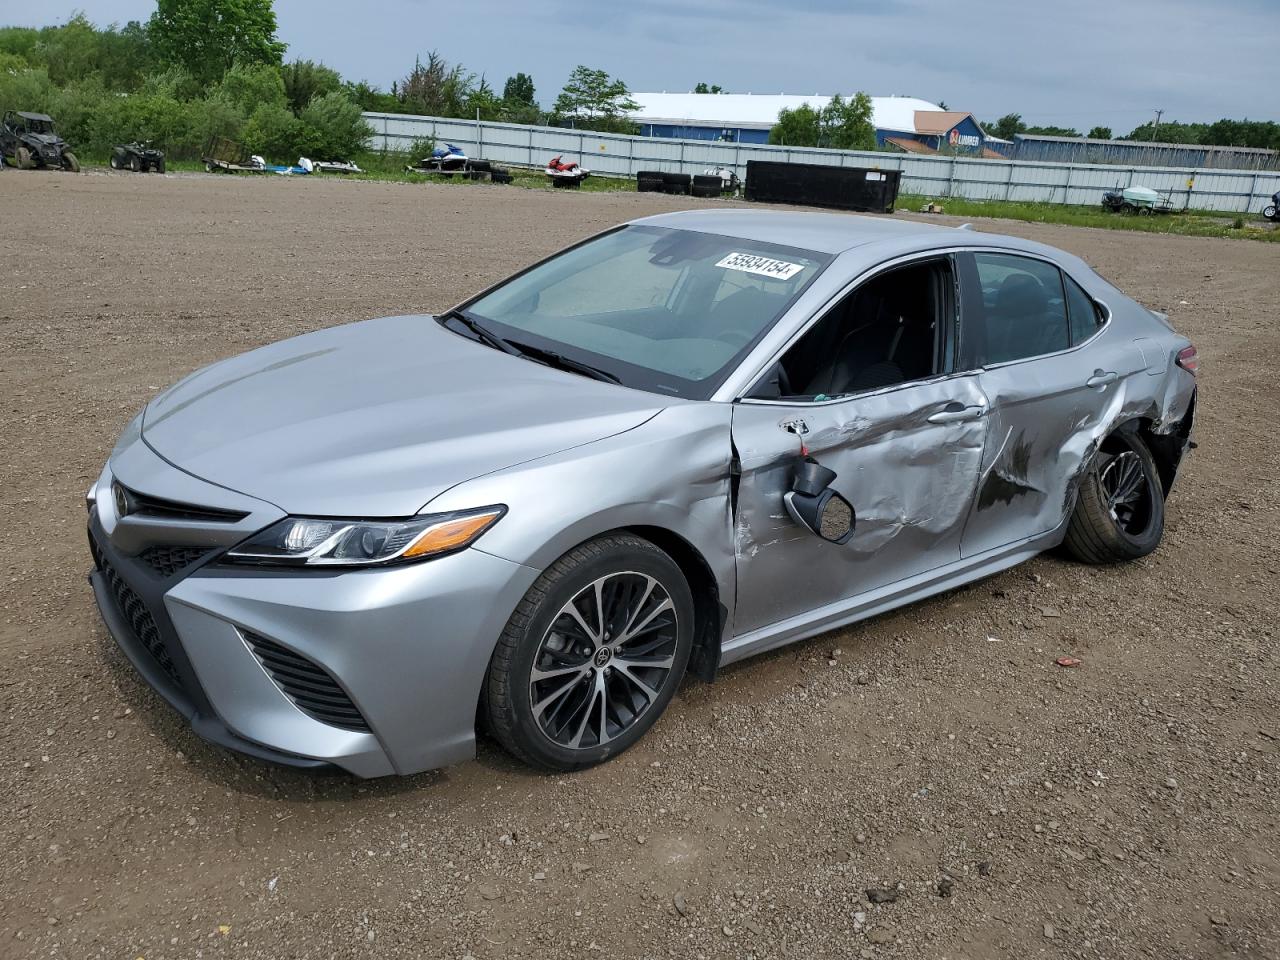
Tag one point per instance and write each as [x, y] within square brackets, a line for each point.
[1237, 191]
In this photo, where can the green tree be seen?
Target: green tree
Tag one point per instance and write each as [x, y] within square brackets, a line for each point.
[593, 100]
[1052, 131]
[274, 132]
[334, 127]
[846, 124]
[1007, 127]
[208, 36]
[713, 88]
[797, 127]
[251, 85]
[519, 90]
[1170, 131]
[437, 89]
[1099, 133]
[304, 80]
[841, 125]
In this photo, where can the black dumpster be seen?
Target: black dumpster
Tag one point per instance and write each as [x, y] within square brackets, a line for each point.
[819, 185]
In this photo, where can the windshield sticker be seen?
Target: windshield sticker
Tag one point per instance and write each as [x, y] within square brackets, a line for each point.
[763, 266]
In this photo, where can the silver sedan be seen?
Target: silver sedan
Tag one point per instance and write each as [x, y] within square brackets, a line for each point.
[691, 439]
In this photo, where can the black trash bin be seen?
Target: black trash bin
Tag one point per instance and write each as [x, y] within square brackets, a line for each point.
[820, 185]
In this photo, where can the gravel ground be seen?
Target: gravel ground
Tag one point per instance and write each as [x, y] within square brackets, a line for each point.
[999, 805]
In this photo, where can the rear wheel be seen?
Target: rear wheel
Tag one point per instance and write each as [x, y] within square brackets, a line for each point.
[1270, 212]
[159, 166]
[1119, 512]
[592, 655]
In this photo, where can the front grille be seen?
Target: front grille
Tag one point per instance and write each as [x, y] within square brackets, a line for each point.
[166, 561]
[307, 684]
[141, 504]
[137, 615]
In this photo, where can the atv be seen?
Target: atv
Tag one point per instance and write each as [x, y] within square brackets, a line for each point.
[138, 157]
[28, 140]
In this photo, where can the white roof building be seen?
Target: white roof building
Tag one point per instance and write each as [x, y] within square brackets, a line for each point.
[760, 111]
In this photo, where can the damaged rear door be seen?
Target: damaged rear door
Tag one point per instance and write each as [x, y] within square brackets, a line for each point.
[1046, 393]
[870, 391]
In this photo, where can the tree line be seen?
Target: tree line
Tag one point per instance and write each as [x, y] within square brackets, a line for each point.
[203, 68]
[1263, 134]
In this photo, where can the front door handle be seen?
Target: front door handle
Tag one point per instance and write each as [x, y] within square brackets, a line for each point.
[1101, 378]
[956, 412]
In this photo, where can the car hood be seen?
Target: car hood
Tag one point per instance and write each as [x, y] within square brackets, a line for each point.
[375, 419]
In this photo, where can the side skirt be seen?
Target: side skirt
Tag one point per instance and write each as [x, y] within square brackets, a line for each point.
[866, 605]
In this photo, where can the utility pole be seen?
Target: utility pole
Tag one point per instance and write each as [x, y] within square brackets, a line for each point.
[1155, 131]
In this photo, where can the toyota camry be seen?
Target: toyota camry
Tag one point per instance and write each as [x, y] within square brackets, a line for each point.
[685, 441]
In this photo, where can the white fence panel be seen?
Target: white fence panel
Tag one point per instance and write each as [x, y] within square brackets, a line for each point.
[967, 177]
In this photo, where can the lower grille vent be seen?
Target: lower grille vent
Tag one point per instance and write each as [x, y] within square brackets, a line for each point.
[137, 615]
[307, 684]
[166, 561]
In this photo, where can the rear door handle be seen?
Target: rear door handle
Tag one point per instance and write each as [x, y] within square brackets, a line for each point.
[1101, 378]
[956, 412]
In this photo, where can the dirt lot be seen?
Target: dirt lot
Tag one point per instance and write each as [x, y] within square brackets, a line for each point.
[1129, 808]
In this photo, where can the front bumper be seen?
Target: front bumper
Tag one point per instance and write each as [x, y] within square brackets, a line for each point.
[404, 647]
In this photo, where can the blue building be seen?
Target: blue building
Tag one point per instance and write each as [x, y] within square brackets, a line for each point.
[902, 123]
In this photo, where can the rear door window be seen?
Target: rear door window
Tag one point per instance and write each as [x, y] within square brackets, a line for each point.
[1024, 309]
[1086, 318]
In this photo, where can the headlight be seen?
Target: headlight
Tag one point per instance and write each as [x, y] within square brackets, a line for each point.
[303, 542]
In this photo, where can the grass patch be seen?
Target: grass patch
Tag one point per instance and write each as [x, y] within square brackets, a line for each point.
[1191, 223]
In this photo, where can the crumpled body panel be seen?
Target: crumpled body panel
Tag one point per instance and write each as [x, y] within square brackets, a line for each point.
[910, 481]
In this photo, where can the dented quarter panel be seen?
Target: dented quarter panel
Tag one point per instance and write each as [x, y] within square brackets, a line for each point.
[910, 483]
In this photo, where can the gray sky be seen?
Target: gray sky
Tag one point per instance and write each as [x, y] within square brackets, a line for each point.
[1058, 63]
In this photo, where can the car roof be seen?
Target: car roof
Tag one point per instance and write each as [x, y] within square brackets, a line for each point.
[874, 238]
[35, 116]
[823, 232]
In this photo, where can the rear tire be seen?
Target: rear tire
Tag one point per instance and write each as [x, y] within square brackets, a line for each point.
[1270, 212]
[607, 678]
[1119, 513]
[159, 167]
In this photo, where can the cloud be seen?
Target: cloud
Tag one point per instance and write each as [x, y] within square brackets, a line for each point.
[1074, 64]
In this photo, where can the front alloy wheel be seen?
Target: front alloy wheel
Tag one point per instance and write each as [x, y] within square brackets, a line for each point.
[603, 660]
[592, 655]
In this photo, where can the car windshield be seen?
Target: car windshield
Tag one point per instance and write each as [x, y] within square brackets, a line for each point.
[671, 311]
[40, 126]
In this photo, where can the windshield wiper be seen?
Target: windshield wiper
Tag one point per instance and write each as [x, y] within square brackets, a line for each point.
[482, 333]
[553, 359]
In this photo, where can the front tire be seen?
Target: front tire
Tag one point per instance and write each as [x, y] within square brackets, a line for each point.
[592, 655]
[23, 158]
[70, 163]
[1119, 512]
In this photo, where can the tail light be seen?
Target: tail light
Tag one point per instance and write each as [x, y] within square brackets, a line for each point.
[1188, 360]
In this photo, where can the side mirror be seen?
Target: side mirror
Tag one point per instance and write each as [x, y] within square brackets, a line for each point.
[828, 515]
[815, 506]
